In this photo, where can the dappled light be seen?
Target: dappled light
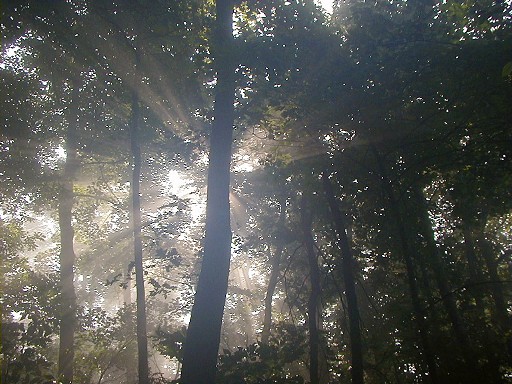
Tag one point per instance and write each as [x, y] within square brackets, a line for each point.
[288, 192]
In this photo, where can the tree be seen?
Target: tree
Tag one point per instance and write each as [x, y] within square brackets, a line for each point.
[347, 265]
[315, 289]
[142, 342]
[26, 337]
[67, 254]
[425, 232]
[203, 335]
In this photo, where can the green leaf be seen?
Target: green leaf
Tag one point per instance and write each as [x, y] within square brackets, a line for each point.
[507, 70]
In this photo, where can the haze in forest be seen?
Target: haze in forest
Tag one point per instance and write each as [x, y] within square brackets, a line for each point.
[256, 192]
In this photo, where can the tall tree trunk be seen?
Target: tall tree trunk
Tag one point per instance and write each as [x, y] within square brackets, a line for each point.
[274, 277]
[142, 341]
[67, 253]
[203, 336]
[314, 278]
[442, 281]
[356, 344]
[418, 309]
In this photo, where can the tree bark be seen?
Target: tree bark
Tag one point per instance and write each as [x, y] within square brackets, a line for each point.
[356, 344]
[314, 295]
[67, 254]
[203, 336]
[142, 341]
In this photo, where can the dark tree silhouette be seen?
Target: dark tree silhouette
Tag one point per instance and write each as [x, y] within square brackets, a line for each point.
[350, 287]
[314, 296]
[203, 337]
[142, 342]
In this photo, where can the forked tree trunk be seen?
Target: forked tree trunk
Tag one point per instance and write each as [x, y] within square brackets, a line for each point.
[417, 306]
[67, 253]
[203, 335]
[356, 344]
[314, 295]
[142, 341]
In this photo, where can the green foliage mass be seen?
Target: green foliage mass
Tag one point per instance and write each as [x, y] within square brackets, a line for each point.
[405, 104]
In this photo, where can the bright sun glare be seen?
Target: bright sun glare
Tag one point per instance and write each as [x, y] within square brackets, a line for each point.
[177, 184]
[326, 4]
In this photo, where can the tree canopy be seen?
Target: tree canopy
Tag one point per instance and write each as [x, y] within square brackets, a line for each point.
[256, 191]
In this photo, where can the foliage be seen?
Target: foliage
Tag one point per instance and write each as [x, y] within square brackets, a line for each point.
[29, 303]
[105, 345]
[396, 100]
[265, 363]
[170, 344]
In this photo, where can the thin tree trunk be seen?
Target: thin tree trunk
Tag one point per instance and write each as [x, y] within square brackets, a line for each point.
[314, 295]
[356, 344]
[441, 278]
[67, 253]
[142, 341]
[269, 294]
[419, 311]
[203, 335]
[273, 279]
